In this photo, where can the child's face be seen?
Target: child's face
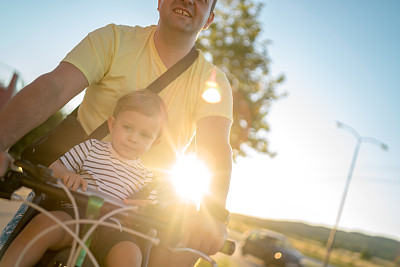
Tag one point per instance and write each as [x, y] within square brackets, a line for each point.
[133, 133]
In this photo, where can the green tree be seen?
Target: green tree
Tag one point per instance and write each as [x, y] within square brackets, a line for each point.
[233, 45]
[365, 254]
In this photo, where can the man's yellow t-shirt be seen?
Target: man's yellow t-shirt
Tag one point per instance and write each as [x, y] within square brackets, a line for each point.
[117, 59]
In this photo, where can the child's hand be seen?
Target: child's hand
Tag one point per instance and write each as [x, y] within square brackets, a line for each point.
[73, 181]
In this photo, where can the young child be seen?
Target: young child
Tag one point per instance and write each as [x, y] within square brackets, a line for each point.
[110, 167]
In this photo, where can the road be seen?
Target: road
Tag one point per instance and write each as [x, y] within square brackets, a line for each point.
[237, 260]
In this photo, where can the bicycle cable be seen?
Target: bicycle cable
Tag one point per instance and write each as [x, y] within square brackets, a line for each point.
[58, 224]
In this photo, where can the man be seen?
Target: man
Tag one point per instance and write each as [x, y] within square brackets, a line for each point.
[180, 22]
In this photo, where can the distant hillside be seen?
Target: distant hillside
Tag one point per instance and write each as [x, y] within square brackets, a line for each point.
[380, 247]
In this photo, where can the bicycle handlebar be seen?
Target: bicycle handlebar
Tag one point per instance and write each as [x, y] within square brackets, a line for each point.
[40, 179]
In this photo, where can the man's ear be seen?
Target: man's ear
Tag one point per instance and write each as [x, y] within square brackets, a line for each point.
[111, 121]
[158, 6]
[209, 20]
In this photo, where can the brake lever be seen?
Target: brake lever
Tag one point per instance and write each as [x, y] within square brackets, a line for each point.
[23, 173]
[39, 172]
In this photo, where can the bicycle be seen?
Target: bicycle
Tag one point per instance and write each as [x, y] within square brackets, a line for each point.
[145, 224]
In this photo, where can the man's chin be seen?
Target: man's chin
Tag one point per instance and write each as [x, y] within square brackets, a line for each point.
[180, 26]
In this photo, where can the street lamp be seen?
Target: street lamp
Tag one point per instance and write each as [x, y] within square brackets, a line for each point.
[360, 140]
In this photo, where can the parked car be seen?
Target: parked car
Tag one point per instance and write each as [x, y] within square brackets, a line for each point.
[272, 247]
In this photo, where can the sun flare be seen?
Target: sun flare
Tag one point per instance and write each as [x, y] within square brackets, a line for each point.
[212, 95]
[190, 178]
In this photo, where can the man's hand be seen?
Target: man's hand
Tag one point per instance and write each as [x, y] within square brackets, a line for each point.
[204, 233]
[73, 181]
[5, 162]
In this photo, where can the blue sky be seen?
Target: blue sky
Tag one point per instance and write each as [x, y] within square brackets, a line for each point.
[341, 60]
[341, 63]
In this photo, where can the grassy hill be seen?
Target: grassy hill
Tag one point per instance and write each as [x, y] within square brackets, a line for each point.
[367, 246]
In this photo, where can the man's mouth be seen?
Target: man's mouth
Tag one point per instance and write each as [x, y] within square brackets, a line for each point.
[182, 12]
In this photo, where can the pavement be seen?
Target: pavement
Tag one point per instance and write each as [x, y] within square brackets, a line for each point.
[7, 211]
[9, 207]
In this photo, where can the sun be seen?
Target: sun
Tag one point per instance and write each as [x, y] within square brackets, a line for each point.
[190, 178]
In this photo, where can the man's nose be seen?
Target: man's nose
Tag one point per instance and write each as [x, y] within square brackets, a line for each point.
[191, 2]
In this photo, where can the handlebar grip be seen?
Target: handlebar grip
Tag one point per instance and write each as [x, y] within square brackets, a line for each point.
[229, 247]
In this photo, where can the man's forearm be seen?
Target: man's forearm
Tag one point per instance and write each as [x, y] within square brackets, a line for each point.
[212, 143]
[218, 159]
[38, 101]
[222, 170]
[26, 110]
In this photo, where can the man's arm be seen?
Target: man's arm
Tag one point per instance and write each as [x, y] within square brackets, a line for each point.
[213, 148]
[208, 233]
[36, 102]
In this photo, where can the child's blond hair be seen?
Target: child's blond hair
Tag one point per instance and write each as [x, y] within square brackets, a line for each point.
[146, 103]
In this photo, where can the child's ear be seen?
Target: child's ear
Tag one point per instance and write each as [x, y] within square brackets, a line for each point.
[111, 121]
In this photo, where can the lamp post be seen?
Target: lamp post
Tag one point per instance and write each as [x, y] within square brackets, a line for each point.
[360, 140]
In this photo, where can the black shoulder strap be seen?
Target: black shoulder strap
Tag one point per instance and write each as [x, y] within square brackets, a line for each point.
[156, 86]
[172, 73]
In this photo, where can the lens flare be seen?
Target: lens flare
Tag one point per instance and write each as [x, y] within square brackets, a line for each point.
[190, 178]
[278, 255]
[211, 95]
[211, 92]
